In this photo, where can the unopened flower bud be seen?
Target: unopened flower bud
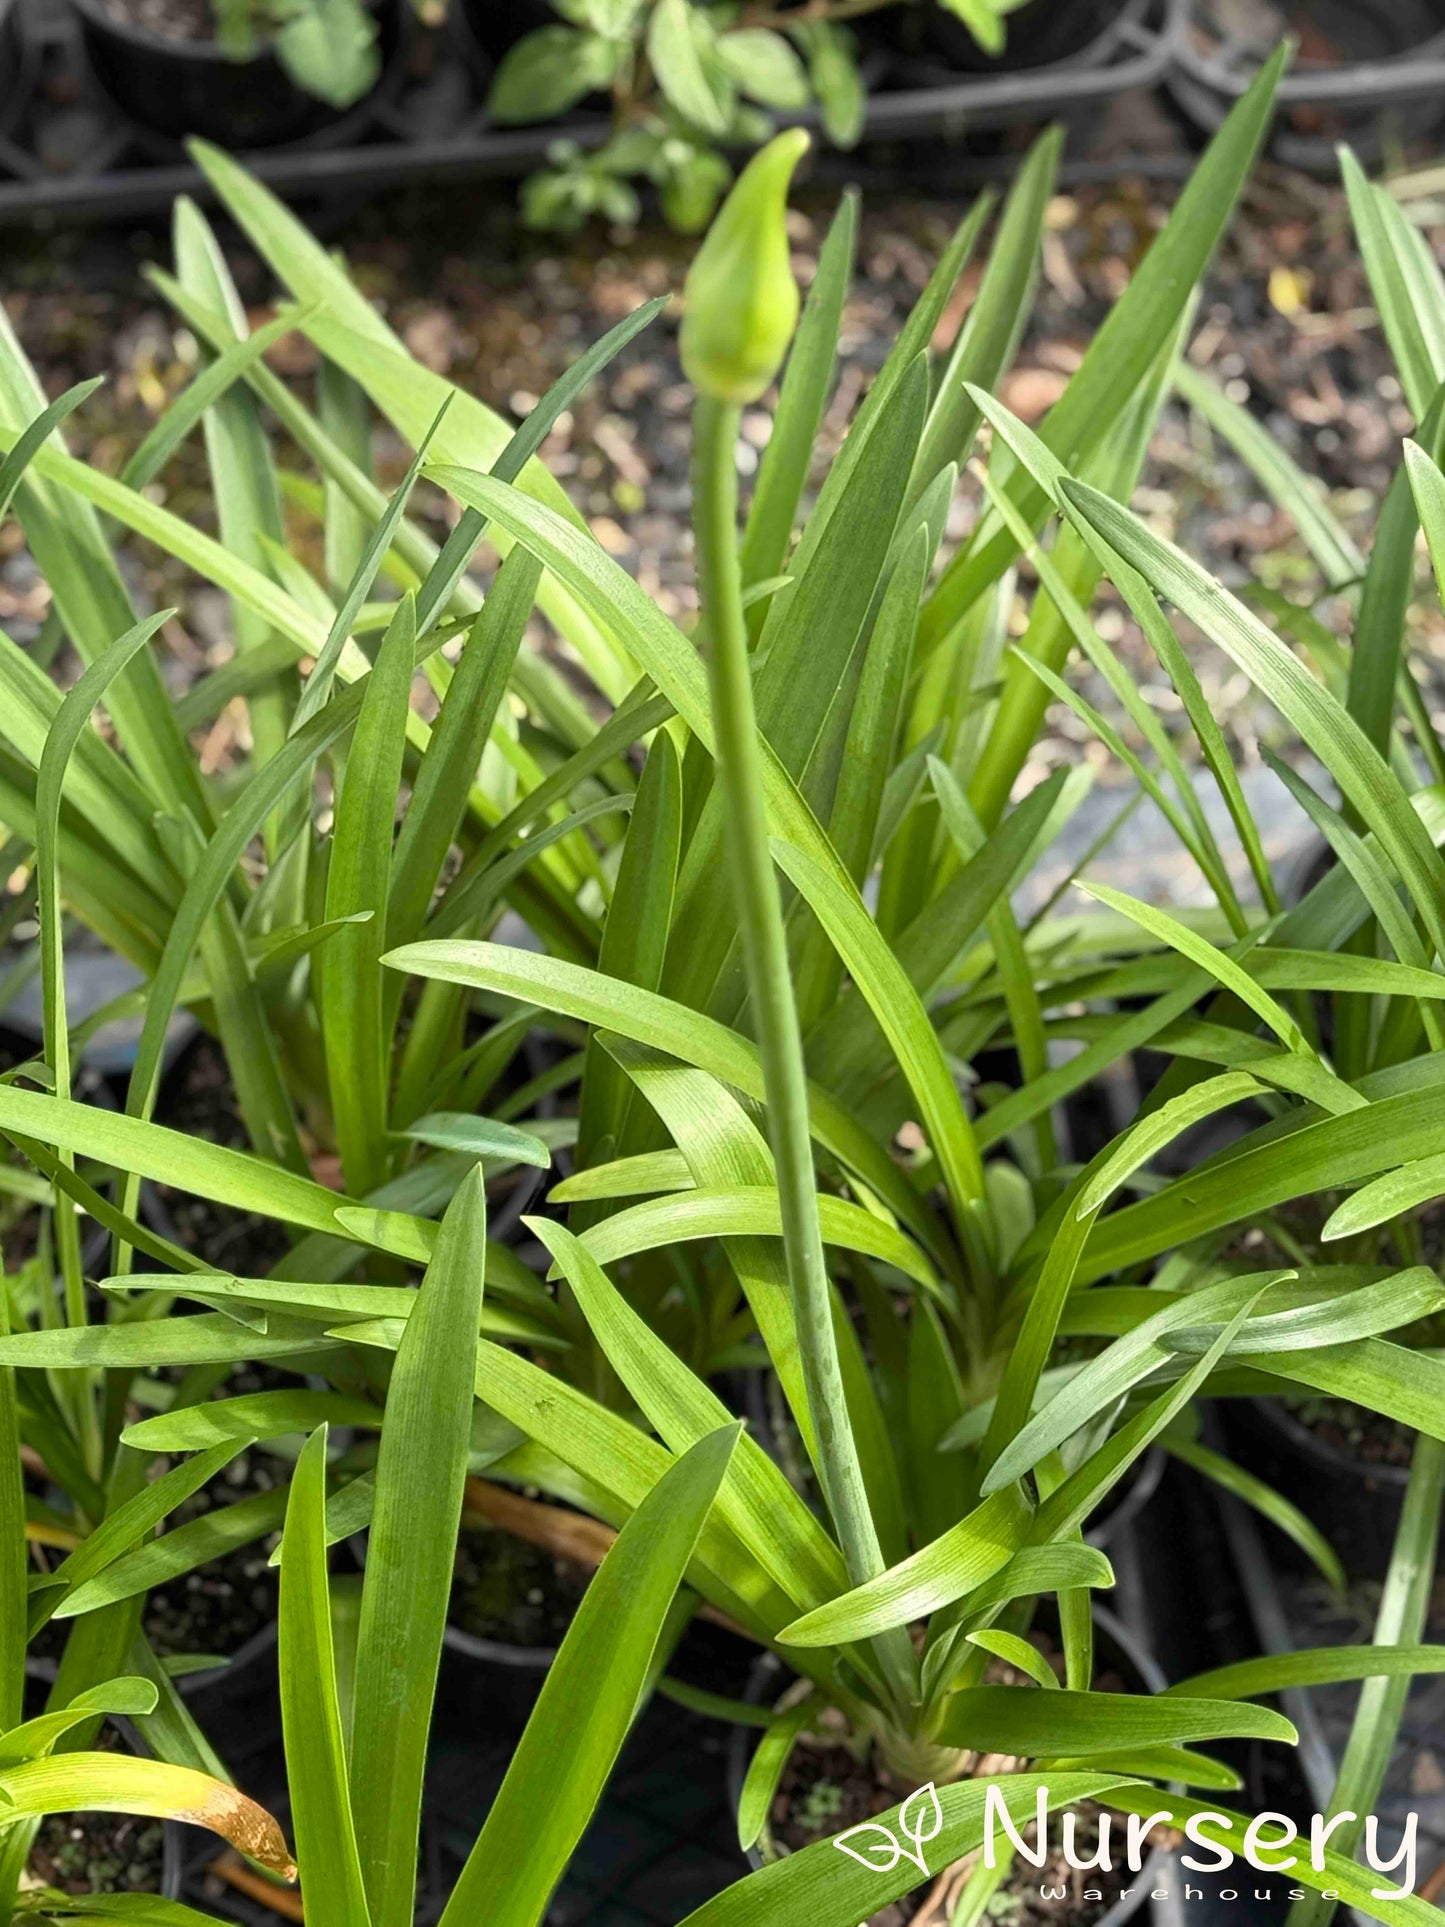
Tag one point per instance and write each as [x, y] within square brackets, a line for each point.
[741, 298]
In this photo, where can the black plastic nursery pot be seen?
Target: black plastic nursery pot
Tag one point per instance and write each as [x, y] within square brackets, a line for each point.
[172, 87]
[426, 121]
[497, 25]
[1041, 33]
[14, 65]
[1366, 73]
[543, 1606]
[1117, 1649]
[661, 1842]
[511, 1601]
[225, 1610]
[1354, 1499]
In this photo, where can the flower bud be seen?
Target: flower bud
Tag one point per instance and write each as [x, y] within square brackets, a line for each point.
[741, 298]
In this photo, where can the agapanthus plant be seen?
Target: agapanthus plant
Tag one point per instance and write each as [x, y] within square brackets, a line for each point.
[1313, 1024]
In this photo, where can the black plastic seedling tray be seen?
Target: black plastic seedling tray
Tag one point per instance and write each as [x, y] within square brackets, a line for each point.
[69, 153]
[1368, 72]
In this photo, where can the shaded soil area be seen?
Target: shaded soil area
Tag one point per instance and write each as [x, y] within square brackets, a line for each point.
[1368, 1436]
[517, 1594]
[220, 1605]
[98, 1853]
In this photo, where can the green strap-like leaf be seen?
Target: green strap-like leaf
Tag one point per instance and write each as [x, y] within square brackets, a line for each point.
[169, 1157]
[420, 1475]
[1128, 1360]
[14, 1552]
[765, 1771]
[667, 1027]
[1325, 726]
[181, 416]
[634, 938]
[1267, 1169]
[326, 1845]
[1382, 1305]
[189, 1546]
[71, 719]
[1319, 1666]
[1266, 1501]
[1403, 1613]
[124, 1528]
[449, 764]
[990, 334]
[129, 1695]
[770, 1518]
[1126, 347]
[950, 1568]
[227, 1425]
[1387, 1198]
[133, 1910]
[1405, 283]
[358, 879]
[901, 1013]
[1018, 1652]
[1379, 635]
[752, 1211]
[37, 434]
[588, 1700]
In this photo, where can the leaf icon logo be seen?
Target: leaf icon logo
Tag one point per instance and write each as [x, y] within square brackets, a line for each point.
[920, 1819]
[879, 1849]
[871, 1855]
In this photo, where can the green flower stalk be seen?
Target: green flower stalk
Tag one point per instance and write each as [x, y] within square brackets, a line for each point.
[742, 305]
[741, 298]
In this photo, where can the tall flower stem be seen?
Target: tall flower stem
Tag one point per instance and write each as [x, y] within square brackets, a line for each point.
[775, 1016]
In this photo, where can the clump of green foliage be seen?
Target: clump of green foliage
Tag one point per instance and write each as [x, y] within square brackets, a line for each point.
[686, 79]
[775, 971]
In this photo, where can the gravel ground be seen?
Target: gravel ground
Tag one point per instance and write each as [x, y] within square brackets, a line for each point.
[1285, 319]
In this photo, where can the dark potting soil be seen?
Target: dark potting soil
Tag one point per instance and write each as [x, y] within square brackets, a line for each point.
[98, 1853]
[1357, 1432]
[199, 1098]
[826, 1789]
[223, 1603]
[508, 1590]
[171, 19]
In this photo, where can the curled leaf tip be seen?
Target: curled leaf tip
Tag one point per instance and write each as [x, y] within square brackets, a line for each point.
[247, 1825]
[741, 298]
